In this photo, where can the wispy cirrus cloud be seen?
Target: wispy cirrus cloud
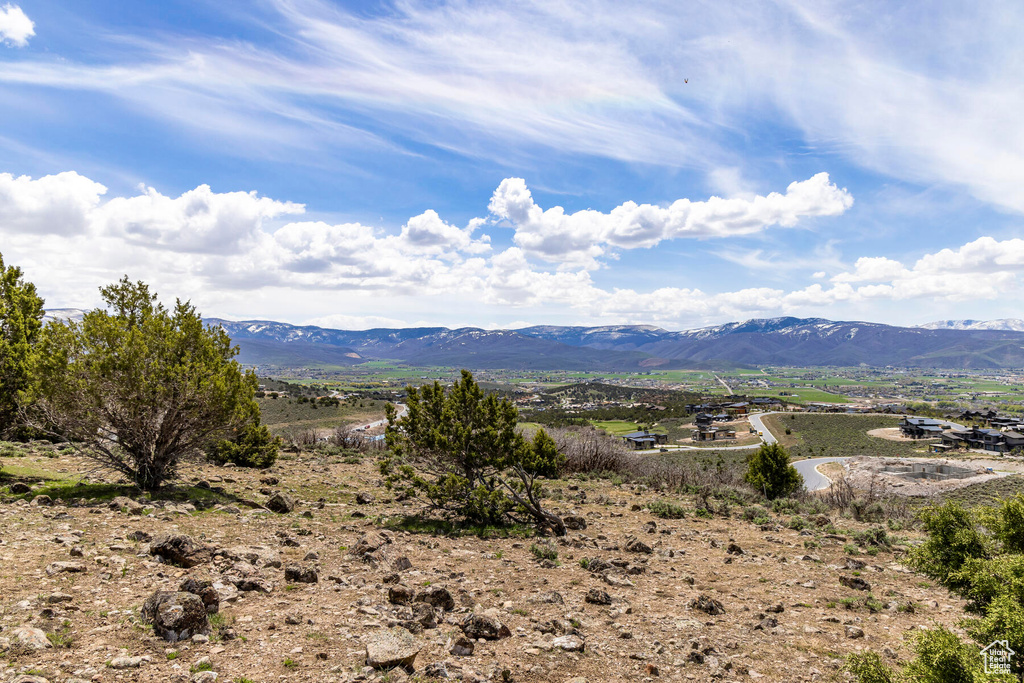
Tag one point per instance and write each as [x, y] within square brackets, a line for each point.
[647, 82]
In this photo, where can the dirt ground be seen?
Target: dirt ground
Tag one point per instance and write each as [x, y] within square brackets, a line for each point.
[890, 433]
[869, 473]
[783, 614]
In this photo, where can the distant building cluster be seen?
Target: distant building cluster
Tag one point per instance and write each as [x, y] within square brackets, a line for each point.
[990, 432]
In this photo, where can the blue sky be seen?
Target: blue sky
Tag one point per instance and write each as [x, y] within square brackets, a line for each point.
[498, 164]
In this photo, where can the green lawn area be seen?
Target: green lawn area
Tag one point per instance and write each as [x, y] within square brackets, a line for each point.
[617, 427]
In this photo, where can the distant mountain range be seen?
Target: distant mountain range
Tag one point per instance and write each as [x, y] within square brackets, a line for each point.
[772, 341]
[1014, 324]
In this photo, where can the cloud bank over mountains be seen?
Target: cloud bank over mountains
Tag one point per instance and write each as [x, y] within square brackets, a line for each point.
[66, 231]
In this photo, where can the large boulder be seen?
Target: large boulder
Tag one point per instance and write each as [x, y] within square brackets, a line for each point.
[478, 626]
[281, 503]
[180, 550]
[372, 548]
[31, 638]
[437, 596]
[176, 615]
[293, 573]
[205, 590]
[391, 648]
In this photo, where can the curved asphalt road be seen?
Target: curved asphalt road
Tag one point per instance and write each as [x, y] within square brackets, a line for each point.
[813, 479]
[755, 421]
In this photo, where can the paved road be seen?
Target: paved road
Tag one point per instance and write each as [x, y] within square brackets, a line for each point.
[813, 479]
[722, 381]
[755, 421]
[402, 410]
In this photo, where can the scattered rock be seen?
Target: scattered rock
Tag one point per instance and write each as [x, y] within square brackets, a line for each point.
[180, 550]
[462, 647]
[854, 632]
[707, 605]
[438, 596]
[175, 615]
[65, 568]
[401, 564]
[481, 626]
[296, 574]
[364, 498]
[391, 648]
[281, 503]
[734, 549]
[269, 480]
[569, 643]
[855, 582]
[42, 500]
[574, 522]
[596, 596]
[139, 536]
[635, 545]
[19, 488]
[205, 590]
[31, 637]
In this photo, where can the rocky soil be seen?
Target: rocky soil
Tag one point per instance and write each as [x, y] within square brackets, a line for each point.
[322, 590]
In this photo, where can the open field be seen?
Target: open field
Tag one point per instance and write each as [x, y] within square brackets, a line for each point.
[284, 415]
[822, 435]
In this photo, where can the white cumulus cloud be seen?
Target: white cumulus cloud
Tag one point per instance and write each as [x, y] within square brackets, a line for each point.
[199, 220]
[236, 247]
[579, 239]
[54, 204]
[15, 26]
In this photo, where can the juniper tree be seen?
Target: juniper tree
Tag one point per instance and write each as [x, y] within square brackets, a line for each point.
[463, 452]
[21, 315]
[139, 387]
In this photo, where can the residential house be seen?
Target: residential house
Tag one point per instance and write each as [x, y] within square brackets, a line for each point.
[644, 439]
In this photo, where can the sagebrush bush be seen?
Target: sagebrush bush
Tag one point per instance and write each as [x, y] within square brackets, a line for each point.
[752, 512]
[867, 510]
[666, 510]
[868, 667]
[797, 523]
